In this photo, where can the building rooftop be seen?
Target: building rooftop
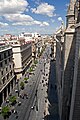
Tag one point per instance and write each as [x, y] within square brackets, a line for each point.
[5, 47]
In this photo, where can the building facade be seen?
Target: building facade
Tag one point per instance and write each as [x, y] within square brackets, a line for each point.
[22, 56]
[75, 99]
[68, 82]
[69, 55]
[7, 76]
[59, 64]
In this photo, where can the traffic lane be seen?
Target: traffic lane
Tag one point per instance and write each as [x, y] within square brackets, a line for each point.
[31, 99]
[38, 115]
[41, 100]
[33, 96]
[32, 113]
[41, 95]
[13, 114]
[20, 109]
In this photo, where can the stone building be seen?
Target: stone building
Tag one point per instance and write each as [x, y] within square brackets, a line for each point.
[69, 54]
[75, 98]
[22, 56]
[59, 63]
[7, 76]
[68, 81]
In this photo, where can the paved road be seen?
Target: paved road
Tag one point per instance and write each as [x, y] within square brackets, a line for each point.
[35, 83]
[41, 96]
[25, 108]
[30, 89]
[51, 107]
[42, 88]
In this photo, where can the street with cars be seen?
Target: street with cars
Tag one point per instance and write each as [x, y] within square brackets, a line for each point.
[32, 102]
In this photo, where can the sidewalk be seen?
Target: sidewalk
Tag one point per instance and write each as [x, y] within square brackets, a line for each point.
[51, 110]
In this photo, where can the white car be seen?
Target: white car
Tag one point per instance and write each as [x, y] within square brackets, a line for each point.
[32, 107]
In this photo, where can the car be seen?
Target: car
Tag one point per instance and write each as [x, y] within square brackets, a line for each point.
[19, 103]
[32, 107]
[16, 91]
[26, 81]
[15, 111]
[7, 101]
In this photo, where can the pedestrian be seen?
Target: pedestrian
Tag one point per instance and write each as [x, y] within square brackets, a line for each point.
[44, 112]
[20, 96]
[15, 112]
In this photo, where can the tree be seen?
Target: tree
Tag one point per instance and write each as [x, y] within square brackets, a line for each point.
[26, 79]
[22, 85]
[12, 99]
[35, 62]
[5, 112]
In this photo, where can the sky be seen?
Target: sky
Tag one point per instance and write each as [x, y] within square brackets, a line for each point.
[42, 16]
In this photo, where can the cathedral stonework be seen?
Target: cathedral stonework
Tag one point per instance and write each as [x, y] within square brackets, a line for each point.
[69, 81]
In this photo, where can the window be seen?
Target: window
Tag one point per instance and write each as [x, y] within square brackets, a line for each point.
[11, 73]
[10, 66]
[1, 72]
[9, 59]
[7, 76]
[0, 57]
[6, 69]
[8, 53]
[4, 55]
[1, 65]
[3, 80]
[5, 61]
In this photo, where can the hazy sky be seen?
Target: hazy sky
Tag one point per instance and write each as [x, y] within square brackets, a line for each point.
[42, 16]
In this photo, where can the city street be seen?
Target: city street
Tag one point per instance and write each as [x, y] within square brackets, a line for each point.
[41, 102]
[30, 89]
[25, 108]
[47, 96]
